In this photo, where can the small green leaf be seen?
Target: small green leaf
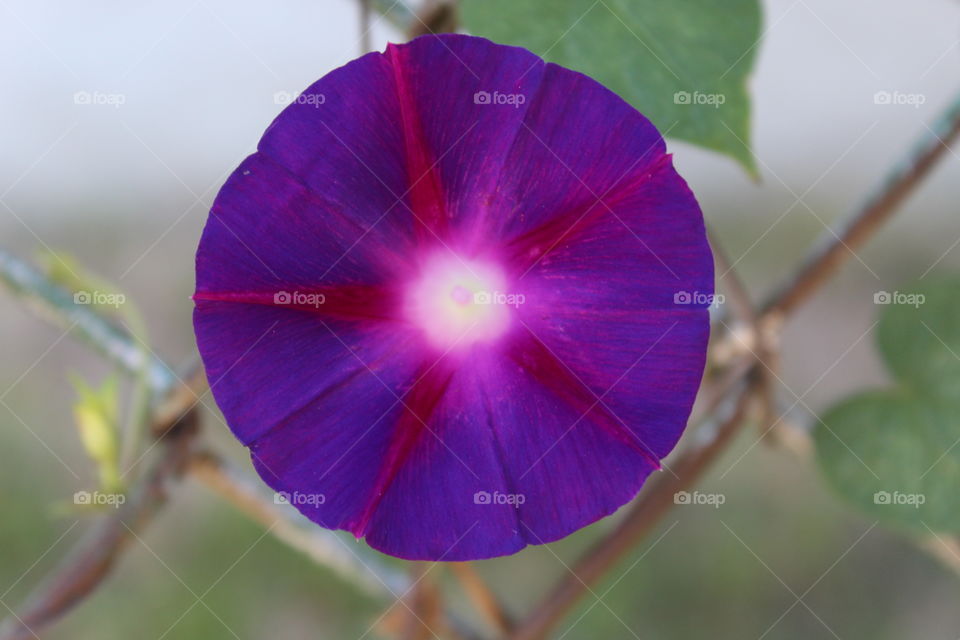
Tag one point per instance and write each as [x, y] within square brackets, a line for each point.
[895, 453]
[683, 64]
[96, 413]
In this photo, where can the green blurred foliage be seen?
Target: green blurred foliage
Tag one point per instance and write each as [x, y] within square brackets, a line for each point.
[893, 453]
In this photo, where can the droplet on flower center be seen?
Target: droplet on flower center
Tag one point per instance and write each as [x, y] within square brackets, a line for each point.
[455, 301]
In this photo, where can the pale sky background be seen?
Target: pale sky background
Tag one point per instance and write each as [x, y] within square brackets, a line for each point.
[198, 79]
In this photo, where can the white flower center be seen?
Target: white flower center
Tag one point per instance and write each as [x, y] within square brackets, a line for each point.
[454, 301]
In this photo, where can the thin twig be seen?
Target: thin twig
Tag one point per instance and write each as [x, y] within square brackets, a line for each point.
[484, 600]
[91, 561]
[422, 613]
[944, 548]
[760, 342]
[835, 248]
[58, 307]
[362, 569]
[438, 16]
[656, 500]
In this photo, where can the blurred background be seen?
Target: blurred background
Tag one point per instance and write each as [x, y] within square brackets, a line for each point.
[180, 92]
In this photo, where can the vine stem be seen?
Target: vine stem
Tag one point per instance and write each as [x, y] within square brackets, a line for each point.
[642, 517]
[437, 16]
[835, 248]
[484, 600]
[367, 572]
[57, 306]
[92, 559]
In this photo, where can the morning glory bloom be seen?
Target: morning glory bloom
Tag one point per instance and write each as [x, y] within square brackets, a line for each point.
[457, 301]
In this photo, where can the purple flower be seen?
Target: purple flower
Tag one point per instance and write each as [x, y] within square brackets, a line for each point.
[456, 303]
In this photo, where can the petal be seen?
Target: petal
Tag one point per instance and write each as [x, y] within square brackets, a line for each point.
[457, 132]
[579, 144]
[267, 232]
[340, 139]
[570, 470]
[266, 363]
[430, 509]
[328, 454]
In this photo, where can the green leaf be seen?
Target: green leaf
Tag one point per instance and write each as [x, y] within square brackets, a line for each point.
[919, 336]
[96, 412]
[895, 453]
[891, 454]
[673, 61]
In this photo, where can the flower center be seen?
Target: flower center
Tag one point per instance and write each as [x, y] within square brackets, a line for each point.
[454, 302]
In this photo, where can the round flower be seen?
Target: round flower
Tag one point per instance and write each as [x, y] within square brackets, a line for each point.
[457, 301]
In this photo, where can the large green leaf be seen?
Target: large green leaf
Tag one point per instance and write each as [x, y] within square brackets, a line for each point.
[895, 453]
[892, 455]
[683, 64]
[919, 335]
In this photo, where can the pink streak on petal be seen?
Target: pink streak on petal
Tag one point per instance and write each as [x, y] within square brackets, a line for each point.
[544, 367]
[419, 404]
[356, 302]
[425, 193]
